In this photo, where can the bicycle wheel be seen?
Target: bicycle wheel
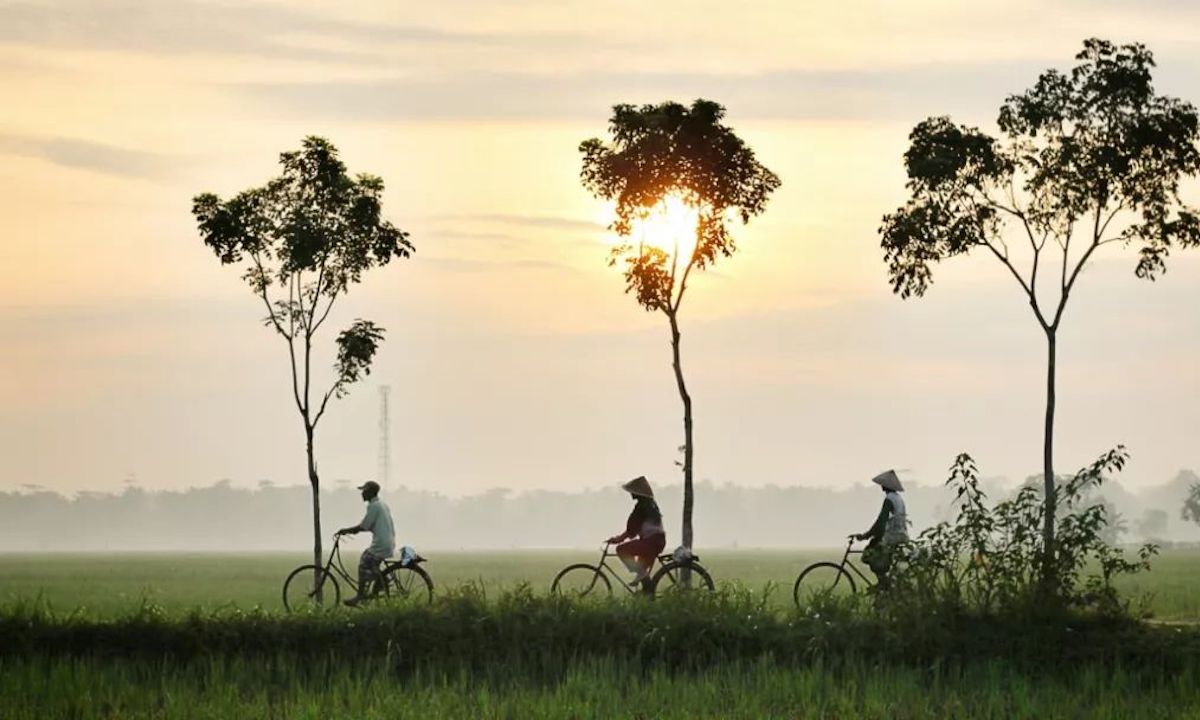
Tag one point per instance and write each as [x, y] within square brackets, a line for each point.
[671, 579]
[309, 586]
[823, 579]
[581, 580]
[406, 583]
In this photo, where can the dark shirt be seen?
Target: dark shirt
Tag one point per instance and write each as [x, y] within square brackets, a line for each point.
[645, 509]
[876, 532]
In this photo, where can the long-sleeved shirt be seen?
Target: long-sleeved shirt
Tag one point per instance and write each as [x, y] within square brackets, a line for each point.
[644, 521]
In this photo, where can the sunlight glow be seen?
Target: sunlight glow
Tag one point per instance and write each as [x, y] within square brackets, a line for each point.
[670, 226]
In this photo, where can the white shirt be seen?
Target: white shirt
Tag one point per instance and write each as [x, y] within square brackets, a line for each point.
[383, 533]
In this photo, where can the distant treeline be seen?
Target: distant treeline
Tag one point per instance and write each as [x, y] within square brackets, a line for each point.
[223, 517]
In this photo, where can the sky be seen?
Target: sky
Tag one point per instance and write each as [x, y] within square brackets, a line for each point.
[514, 358]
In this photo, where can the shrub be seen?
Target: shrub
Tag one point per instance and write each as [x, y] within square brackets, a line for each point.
[989, 559]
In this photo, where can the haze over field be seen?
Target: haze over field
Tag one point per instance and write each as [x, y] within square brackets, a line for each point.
[513, 357]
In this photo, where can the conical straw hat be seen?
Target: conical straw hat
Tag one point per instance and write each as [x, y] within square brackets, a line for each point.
[639, 486]
[888, 480]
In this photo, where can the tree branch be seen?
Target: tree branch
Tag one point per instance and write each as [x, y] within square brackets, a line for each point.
[1033, 301]
[326, 313]
[683, 283]
[325, 401]
[312, 310]
[1062, 302]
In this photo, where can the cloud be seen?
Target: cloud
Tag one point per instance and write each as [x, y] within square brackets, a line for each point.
[906, 93]
[465, 265]
[190, 26]
[541, 221]
[89, 155]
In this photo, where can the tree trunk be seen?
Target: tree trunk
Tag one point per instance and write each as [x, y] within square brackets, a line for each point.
[688, 496]
[315, 482]
[1051, 499]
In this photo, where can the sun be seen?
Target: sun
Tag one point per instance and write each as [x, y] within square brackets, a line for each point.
[669, 226]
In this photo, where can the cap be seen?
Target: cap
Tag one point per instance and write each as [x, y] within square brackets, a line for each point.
[370, 485]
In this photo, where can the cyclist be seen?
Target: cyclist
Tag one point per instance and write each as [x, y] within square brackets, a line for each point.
[378, 521]
[890, 528]
[646, 525]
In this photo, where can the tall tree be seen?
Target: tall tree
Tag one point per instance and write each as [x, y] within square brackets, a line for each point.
[1084, 159]
[302, 240]
[662, 157]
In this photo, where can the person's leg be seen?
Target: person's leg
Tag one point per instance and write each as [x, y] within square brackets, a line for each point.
[879, 558]
[627, 556]
[652, 548]
[872, 557]
[633, 554]
[368, 573]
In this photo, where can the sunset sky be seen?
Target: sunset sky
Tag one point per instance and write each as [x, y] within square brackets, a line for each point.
[131, 355]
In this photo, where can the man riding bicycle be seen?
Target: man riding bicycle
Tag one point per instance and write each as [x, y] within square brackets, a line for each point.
[378, 521]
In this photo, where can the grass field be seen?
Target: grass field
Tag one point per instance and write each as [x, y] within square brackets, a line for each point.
[110, 585]
[233, 665]
[83, 690]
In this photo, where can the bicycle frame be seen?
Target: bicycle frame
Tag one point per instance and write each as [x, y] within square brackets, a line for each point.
[847, 564]
[603, 565]
[335, 563]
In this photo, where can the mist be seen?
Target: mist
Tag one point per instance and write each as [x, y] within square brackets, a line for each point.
[224, 518]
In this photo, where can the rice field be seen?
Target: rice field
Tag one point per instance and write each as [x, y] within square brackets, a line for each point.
[109, 585]
[544, 660]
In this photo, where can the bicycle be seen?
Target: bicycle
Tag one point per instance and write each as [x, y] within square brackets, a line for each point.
[826, 578]
[312, 586]
[582, 579]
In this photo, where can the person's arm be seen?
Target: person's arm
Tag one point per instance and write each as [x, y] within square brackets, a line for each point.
[366, 524]
[876, 530]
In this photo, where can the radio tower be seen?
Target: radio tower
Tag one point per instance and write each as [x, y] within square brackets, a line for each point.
[385, 452]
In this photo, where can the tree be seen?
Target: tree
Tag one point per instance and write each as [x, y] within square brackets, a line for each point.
[1152, 526]
[1191, 505]
[1084, 160]
[303, 239]
[669, 159]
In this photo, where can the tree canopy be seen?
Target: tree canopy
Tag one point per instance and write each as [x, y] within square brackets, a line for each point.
[303, 239]
[1076, 150]
[669, 150]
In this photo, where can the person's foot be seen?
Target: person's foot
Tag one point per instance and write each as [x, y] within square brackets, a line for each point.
[642, 575]
[353, 602]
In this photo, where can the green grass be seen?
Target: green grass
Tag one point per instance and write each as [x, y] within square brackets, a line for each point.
[38, 688]
[488, 652]
[109, 585]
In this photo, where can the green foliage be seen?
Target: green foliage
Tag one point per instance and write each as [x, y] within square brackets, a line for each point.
[666, 150]
[313, 218]
[356, 349]
[303, 239]
[470, 629]
[1080, 147]
[988, 560]
[280, 687]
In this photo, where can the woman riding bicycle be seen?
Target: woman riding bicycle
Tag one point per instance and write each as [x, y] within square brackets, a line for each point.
[646, 525]
[890, 528]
